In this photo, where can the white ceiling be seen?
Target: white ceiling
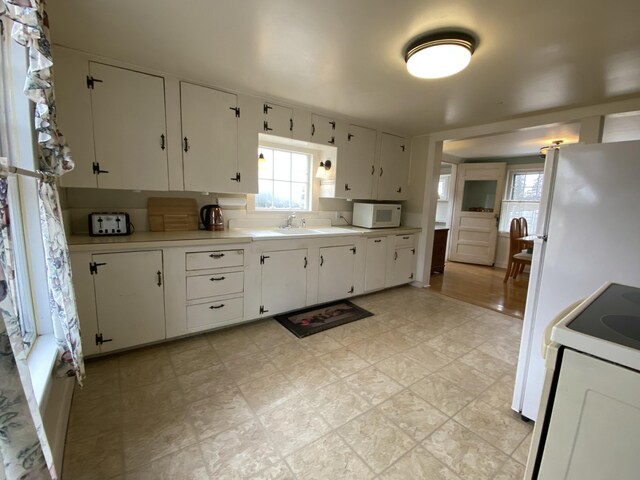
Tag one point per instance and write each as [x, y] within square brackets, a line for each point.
[521, 143]
[346, 56]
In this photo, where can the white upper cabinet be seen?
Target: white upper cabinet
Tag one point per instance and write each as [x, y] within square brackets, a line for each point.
[209, 139]
[393, 173]
[323, 130]
[249, 125]
[278, 120]
[129, 128]
[301, 125]
[73, 101]
[356, 168]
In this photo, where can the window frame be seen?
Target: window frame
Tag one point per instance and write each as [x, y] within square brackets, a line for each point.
[512, 171]
[312, 154]
[447, 197]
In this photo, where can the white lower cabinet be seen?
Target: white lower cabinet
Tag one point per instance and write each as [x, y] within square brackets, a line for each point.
[375, 264]
[129, 298]
[336, 275]
[284, 281]
[404, 265]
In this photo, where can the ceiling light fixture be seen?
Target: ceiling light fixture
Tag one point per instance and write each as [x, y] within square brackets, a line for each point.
[439, 55]
[545, 149]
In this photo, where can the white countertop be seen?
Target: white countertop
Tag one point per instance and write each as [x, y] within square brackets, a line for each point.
[85, 243]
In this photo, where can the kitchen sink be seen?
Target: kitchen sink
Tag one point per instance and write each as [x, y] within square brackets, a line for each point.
[627, 325]
[296, 231]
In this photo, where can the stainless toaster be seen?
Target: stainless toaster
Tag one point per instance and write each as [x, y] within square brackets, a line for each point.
[109, 223]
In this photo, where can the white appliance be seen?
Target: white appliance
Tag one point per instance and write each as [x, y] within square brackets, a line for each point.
[589, 416]
[376, 215]
[588, 230]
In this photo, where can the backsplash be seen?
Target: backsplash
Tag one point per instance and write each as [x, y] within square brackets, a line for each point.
[78, 203]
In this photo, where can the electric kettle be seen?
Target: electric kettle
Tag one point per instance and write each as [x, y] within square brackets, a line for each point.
[211, 216]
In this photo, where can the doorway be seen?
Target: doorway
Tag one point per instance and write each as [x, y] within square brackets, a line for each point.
[475, 263]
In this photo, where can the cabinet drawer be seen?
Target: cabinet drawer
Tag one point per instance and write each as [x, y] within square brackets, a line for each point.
[213, 285]
[214, 313]
[215, 259]
[406, 240]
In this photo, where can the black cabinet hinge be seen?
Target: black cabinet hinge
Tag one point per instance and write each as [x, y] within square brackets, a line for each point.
[333, 125]
[263, 310]
[262, 259]
[353, 249]
[265, 108]
[97, 170]
[92, 81]
[237, 177]
[265, 126]
[402, 147]
[100, 340]
[351, 290]
[350, 136]
[236, 110]
[93, 267]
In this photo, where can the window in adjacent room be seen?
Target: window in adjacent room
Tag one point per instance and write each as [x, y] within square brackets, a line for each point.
[522, 196]
[284, 179]
[443, 187]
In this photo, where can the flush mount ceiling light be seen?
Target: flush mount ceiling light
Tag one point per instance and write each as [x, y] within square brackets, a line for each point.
[545, 149]
[439, 55]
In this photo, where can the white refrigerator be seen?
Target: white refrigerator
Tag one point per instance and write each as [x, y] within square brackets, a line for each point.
[588, 233]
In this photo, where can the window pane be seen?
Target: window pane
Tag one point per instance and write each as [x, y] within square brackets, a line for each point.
[281, 165]
[479, 195]
[265, 167]
[527, 186]
[281, 194]
[528, 210]
[264, 199]
[299, 196]
[299, 167]
[443, 187]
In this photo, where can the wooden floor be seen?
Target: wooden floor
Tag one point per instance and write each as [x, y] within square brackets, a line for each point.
[483, 286]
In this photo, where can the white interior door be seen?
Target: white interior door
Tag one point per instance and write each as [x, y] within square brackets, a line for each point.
[210, 139]
[129, 128]
[474, 231]
[336, 273]
[129, 298]
[284, 280]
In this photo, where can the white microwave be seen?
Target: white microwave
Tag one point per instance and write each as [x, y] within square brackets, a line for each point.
[376, 215]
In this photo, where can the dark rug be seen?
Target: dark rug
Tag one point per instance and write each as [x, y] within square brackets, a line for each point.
[319, 318]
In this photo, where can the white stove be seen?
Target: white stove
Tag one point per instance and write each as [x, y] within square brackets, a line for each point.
[588, 424]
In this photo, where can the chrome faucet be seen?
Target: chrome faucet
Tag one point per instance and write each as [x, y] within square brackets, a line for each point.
[290, 219]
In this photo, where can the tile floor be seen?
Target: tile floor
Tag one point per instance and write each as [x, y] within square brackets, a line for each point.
[421, 390]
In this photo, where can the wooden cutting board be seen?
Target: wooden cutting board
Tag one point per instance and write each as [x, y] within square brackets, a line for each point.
[172, 214]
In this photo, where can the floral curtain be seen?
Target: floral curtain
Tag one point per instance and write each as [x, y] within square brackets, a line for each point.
[23, 444]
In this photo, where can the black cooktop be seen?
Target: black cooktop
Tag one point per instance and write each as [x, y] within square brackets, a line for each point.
[613, 316]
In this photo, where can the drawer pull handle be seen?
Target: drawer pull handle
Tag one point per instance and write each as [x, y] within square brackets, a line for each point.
[377, 241]
[405, 238]
[216, 306]
[217, 255]
[214, 279]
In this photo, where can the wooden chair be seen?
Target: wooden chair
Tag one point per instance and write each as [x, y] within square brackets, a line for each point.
[517, 262]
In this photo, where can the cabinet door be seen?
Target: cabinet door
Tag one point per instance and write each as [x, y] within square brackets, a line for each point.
[404, 265]
[336, 273]
[129, 298]
[249, 125]
[129, 128]
[323, 130]
[375, 264]
[73, 102]
[358, 163]
[393, 175]
[284, 280]
[278, 120]
[210, 139]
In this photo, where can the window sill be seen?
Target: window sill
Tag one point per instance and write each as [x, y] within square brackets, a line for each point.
[40, 361]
